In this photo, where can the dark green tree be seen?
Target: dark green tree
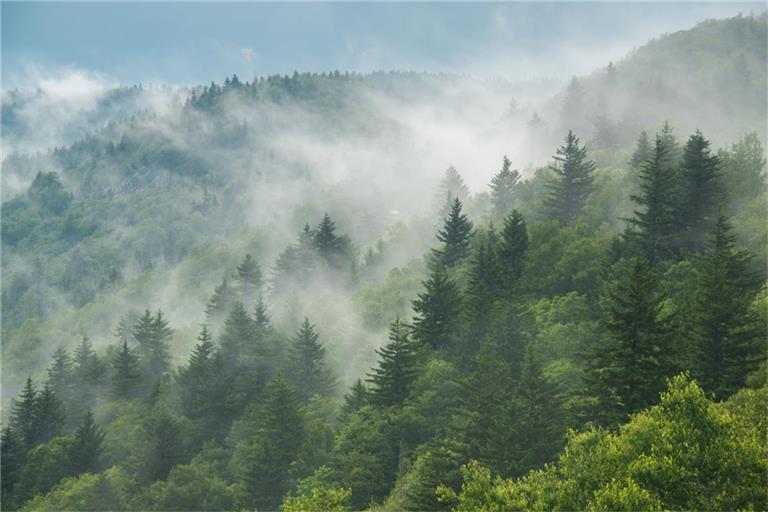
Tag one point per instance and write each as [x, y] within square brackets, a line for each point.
[238, 336]
[572, 181]
[126, 376]
[60, 374]
[656, 222]
[249, 279]
[729, 345]
[643, 151]
[24, 415]
[86, 448]
[166, 443]
[357, 397]
[12, 452]
[701, 192]
[627, 369]
[392, 380]
[512, 248]
[307, 366]
[437, 311]
[483, 290]
[455, 237]
[224, 296]
[503, 187]
[333, 249]
[49, 413]
[276, 445]
[157, 361]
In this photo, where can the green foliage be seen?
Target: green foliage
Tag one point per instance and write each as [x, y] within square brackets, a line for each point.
[437, 311]
[503, 189]
[307, 366]
[454, 236]
[572, 181]
[330, 499]
[391, 381]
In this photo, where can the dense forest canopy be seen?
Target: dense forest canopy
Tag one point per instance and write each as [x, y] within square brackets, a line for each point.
[394, 291]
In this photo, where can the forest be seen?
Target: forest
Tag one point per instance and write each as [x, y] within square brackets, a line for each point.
[255, 299]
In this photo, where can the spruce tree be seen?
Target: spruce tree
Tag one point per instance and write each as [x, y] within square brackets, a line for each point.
[485, 281]
[437, 311]
[452, 187]
[723, 325]
[86, 448]
[238, 336]
[643, 151]
[701, 192]
[357, 397]
[249, 279]
[455, 236]
[24, 415]
[157, 361]
[627, 369]
[503, 186]
[12, 452]
[573, 113]
[276, 445]
[166, 445]
[672, 150]
[221, 302]
[512, 248]
[126, 376]
[332, 248]
[307, 365]
[49, 415]
[60, 374]
[656, 220]
[572, 181]
[391, 381]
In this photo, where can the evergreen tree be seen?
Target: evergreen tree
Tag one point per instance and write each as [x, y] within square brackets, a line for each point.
[628, 369]
[743, 169]
[672, 150]
[276, 445]
[238, 336]
[503, 186]
[223, 298]
[86, 448]
[127, 373]
[391, 381]
[437, 311]
[643, 151]
[249, 279]
[88, 368]
[512, 249]
[485, 280]
[357, 397]
[157, 360]
[24, 415]
[573, 113]
[307, 365]
[49, 415]
[166, 445]
[729, 346]
[455, 236]
[60, 374]
[332, 248]
[701, 192]
[452, 187]
[12, 451]
[656, 221]
[572, 182]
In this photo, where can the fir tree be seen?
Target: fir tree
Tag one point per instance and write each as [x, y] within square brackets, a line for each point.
[572, 182]
[656, 221]
[49, 415]
[308, 370]
[357, 397]
[643, 151]
[452, 187]
[249, 279]
[276, 445]
[238, 335]
[729, 347]
[628, 369]
[485, 281]
[86, 448]
[455, 236]
[437, 311]
[60, 374]
[220, 303]
[12, 451]
[166, 445]
[503, 186]
[701, 192]
[127, 373]
[512, 249]
[24, 415]
[573, 113]
[157, 361]
[391, 381]
[672, 151]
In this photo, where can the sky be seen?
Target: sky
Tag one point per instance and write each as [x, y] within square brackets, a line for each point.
[187, 43]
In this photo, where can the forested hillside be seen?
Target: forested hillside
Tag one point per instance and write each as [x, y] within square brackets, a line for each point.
[397, 291]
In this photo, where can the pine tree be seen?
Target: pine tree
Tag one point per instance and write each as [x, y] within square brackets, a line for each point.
[60, 374]
[643, 151]
[485, 281]
[729, 347]
[437, 311]
[357, 397]
[572, 182]
[276, 445]
[24, 415]
[332, 248]
[391, 381]
[166, 445]
[238, 335]
[127, 373]
[12, 452]
[512, 249]
[628, 369]
[503, 186]
[88, 368]
[455, 236]
[86, 448]
[157, 361]
[672, 152]
[701, 192]
[249, 279]
[221, 302]
[452, 187]
[49, 415]
[656, 221]
[308, 370]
